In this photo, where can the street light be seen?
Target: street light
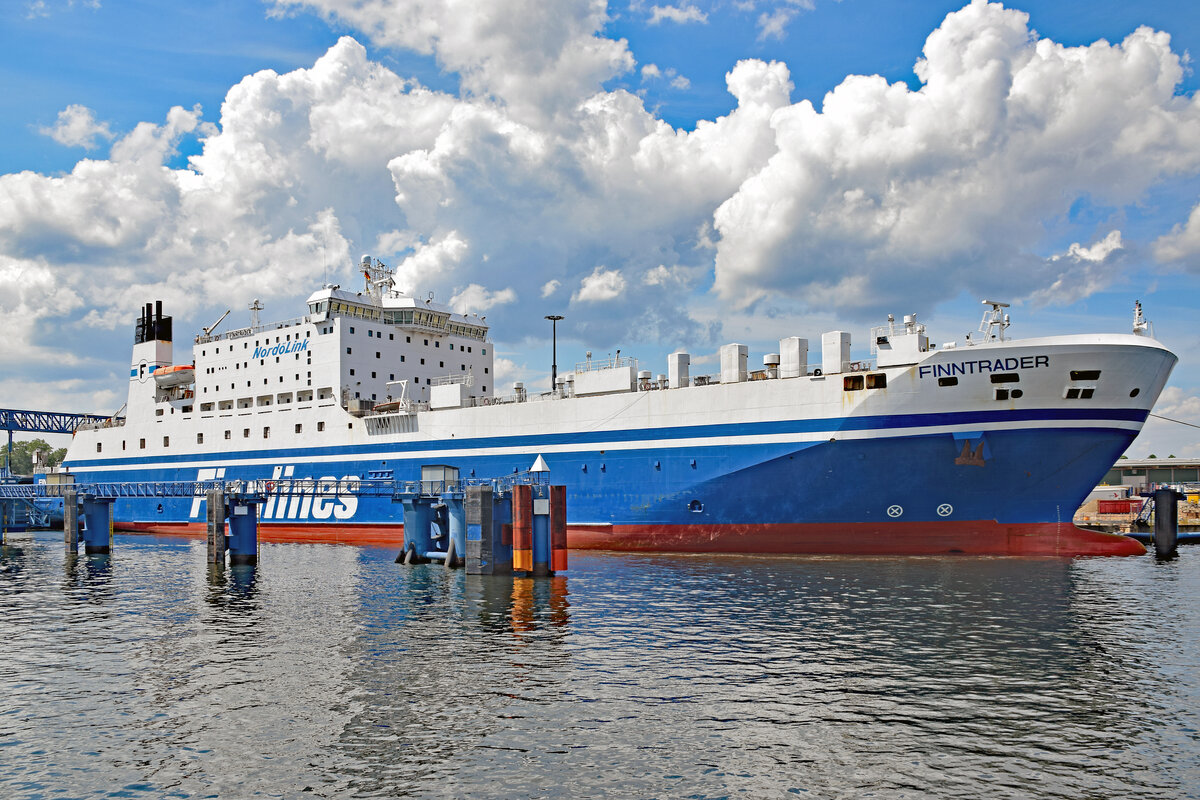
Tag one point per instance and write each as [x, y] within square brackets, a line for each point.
[554, 318]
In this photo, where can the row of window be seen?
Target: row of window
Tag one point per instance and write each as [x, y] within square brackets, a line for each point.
[266, 434]
[853, 383]
[401, 316]
[266, 381]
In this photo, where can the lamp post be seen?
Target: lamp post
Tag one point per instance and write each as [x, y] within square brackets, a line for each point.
[554, 318]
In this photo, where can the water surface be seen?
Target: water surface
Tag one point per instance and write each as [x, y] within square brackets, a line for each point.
[329, 671]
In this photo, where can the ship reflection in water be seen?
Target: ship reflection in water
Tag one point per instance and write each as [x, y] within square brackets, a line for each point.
[331, 672]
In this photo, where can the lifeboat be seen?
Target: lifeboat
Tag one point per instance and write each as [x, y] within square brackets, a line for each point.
[180, 375]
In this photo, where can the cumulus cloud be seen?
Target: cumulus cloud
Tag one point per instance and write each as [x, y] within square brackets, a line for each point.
[538, 59]
[603, 284]
[1082, 271]
[475, 298]
[77, 127]
[773, 24]
[681, 14]
[653, 72]
[949, 186]
[535, 173]
[1182, 243]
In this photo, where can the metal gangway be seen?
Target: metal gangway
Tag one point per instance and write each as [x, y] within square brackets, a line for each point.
[22, 421]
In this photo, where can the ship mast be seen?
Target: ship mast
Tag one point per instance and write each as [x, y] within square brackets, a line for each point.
[377, 276]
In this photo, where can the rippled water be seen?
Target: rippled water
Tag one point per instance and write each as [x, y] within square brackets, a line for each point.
[332, 672]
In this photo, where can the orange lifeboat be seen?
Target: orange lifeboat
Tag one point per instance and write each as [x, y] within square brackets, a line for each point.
[179, 375]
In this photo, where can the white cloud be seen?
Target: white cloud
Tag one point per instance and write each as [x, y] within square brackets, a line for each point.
[76, 127]
[1182, 243]
[537, 59]
[476, 298]
[681, 14]
[948, 188]
[773, 24]
[602, 285]
[1081, 271]
[680, 82]
[431, 261]
[534, 174]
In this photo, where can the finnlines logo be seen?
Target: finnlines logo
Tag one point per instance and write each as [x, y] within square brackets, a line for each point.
[280, 349]
[289, 497]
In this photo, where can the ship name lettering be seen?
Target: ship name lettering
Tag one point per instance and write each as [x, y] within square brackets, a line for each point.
[982, 365]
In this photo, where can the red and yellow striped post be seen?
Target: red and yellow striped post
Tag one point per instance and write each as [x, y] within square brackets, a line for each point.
[522, 527]
[558, 528]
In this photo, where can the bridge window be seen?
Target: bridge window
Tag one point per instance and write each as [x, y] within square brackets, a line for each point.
[852, 383]
[877, 381]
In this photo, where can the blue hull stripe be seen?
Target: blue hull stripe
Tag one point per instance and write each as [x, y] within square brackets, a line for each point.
[888, 422]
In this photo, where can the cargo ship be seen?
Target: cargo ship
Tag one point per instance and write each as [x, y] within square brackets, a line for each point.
[985, 446]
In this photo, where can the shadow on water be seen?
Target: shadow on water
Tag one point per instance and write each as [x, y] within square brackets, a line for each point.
[233, 587]
[88, 578]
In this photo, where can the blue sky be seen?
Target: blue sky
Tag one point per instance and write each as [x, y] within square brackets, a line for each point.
[512, 163]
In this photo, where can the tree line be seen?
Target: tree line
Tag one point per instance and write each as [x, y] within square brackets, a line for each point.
[22, 455]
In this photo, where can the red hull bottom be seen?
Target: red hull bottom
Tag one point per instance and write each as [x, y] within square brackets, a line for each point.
[976, 538]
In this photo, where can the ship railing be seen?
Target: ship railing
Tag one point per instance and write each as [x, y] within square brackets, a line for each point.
[862, 365]
[319, 487]
[114, 422]
[450, 380]
[251, 330]
[611, 362]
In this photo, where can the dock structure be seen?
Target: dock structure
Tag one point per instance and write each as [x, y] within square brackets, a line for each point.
[515, 525]
[510, 525]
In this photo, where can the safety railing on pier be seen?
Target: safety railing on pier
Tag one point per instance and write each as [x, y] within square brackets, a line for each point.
[361, 487]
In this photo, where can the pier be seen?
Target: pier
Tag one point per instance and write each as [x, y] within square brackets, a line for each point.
[515, 524]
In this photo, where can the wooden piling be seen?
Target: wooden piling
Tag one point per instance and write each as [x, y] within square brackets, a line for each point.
[215, 508]
[70, 520]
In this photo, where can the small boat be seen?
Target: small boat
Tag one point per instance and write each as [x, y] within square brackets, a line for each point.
[180, 375]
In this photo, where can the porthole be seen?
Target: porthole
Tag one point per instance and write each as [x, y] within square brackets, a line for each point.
[1135, 392]
[1015, 394]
